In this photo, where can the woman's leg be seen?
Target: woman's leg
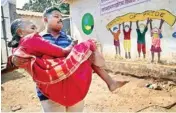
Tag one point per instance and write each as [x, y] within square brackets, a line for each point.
[78, 107]
[112, 84]
[50, 106]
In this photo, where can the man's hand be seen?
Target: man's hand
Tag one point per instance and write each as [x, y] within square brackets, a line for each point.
[68, 49]
[75, 42]
[18, 61]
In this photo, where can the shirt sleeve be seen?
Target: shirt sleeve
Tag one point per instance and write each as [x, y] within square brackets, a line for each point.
[39, 45]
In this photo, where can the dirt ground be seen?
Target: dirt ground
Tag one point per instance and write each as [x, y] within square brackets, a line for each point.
[18, 89]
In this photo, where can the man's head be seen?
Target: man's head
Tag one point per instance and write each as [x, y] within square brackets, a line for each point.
[53, 18]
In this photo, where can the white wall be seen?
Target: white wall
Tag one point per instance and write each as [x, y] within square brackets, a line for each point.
[80, 7]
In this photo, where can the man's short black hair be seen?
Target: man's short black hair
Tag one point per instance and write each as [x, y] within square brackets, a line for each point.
[49, 10]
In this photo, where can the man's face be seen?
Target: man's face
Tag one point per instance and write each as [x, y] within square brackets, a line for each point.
[54, 21]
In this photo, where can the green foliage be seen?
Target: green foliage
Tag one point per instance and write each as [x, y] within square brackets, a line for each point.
[41, 5]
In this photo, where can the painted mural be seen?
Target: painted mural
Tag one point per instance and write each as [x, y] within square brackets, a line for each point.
[174, 34]
[107, 6]
[127, 39]
[87, 23]
[116, 33]
[162, 15]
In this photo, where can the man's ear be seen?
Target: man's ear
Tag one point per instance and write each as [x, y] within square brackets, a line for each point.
[45, 19]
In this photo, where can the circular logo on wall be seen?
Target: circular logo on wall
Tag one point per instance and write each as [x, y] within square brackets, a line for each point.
[87, 23]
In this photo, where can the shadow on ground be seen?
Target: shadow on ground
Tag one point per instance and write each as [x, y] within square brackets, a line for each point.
[12, 76]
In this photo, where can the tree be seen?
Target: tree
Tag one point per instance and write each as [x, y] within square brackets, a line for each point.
[41, 5]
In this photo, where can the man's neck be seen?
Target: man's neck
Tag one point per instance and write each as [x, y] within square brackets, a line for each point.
[55, 34]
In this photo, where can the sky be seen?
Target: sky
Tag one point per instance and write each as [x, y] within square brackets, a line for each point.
[20, 3]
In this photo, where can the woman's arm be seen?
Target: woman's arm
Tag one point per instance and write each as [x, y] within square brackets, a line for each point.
[40, 45]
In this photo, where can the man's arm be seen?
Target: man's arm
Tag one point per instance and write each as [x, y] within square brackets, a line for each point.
[13, 63]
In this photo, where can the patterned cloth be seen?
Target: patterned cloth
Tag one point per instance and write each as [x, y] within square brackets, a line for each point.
[47, 70]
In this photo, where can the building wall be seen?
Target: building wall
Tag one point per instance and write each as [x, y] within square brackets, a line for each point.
[8, 19]
[100, 32]
[37, 20]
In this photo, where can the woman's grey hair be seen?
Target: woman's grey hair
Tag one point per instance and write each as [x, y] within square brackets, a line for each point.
[15, 25]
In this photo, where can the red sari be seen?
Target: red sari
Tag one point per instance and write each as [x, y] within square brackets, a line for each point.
[65, 80]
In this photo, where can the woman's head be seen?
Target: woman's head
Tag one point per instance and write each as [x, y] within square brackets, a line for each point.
[20, 28]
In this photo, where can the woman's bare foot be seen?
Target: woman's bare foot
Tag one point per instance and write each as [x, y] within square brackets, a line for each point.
[117, 84]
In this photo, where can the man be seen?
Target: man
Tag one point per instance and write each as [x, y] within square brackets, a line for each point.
[53, 24]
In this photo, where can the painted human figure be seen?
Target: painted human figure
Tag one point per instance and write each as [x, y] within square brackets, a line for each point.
[174, 34]
[127, 40]
[156, 41]
[141, 31]
[116, 33]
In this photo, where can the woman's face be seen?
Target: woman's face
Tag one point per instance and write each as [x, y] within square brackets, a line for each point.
[28, 28]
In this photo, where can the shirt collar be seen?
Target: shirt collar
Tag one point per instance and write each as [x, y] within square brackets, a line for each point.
[44, 33]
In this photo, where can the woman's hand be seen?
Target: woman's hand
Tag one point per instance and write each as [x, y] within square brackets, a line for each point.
[18, 61]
